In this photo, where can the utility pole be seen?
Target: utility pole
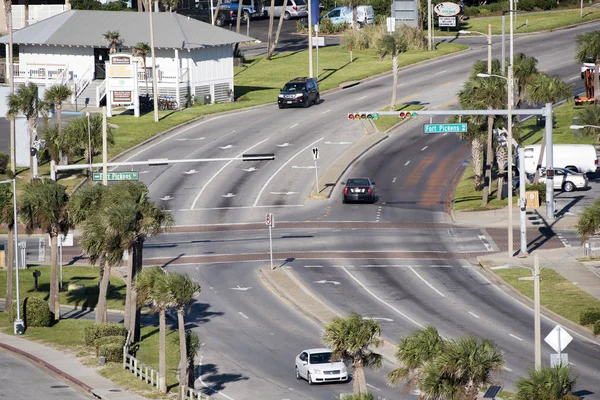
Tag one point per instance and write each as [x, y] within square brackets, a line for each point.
[11, 85]
[154, 83]
[104, 148]
[429, 26]
[549, 165]
[537, 327]
[310, 56]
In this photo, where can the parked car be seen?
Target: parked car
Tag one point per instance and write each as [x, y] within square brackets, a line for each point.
[293, 9]
[299, 92]
[201, 11]
[364, 15]
[250, 8]
[359, 189]
[316, 366]
[566, 180]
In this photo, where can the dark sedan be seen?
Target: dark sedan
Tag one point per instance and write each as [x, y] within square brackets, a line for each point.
[359, 190]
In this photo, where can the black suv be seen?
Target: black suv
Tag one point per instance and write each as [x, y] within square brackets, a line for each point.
[201, 10]
[299, 92]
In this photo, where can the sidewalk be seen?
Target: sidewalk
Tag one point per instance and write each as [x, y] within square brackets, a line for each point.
[67, 367]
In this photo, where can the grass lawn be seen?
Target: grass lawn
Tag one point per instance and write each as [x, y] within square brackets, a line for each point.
[467, 198]
[386, 122]
[557, 293]
[68, 335]
[526, 22]
[88, 276]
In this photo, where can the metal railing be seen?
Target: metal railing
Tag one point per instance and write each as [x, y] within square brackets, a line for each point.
[100, 92]
[38, 72]
[61, 79]
[82, 82]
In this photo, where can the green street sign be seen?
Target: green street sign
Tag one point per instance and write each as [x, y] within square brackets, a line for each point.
[117, 176]
[444, 128]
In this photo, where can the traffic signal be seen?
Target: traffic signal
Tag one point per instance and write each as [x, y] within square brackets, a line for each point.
[359, 116]
[407, 114]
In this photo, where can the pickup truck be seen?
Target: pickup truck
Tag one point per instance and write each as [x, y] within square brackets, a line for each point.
[250, 8]
[201, 11]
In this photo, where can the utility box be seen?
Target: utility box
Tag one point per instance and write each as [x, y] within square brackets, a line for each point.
[207, 99]
[533, 198]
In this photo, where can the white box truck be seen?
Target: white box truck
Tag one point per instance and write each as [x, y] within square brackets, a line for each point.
[576, 157]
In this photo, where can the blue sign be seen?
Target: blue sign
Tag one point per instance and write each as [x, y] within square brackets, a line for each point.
[314, 11]
[444, 128]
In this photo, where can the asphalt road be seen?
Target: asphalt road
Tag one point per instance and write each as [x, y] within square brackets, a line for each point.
[21, 380]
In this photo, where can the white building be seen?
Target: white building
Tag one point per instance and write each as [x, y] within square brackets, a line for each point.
[192, 57]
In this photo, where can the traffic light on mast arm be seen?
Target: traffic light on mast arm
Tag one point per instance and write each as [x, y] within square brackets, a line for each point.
[359, 116]
[407, 114]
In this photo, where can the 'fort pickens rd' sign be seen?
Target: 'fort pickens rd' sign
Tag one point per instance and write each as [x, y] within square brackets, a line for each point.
[447, 9]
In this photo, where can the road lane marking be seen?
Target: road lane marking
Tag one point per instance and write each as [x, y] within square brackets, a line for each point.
[220, 170]
[573, 78]
[516, 337]
[241, 207]
[476, 316]
[381, 300]
[408, 162]
[427, 283]
[205, 385]
[243, 315]
[394, 180]
[360, 98]
[294, 126]
[313, 266]
[441, 72]
[325, 112]
[485, 242]
[282, 167]
[424, 148]
[373, 387]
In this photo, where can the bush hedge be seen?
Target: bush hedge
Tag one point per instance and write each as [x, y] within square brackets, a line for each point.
[94, 332]
[102, 341]
[34, 312]
[113, 352]
[4, 159]
[597, 327]
[589, 316]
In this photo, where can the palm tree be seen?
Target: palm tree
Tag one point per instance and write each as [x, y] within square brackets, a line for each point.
[414, 352]
[56, 95]
[590, 116]
[589, 220]
[392, 45]
[546, 89]
[182, 289]
[524, 72]
[142, 49]
[25, 100]
[75, 138]
[114, 40]
[170, 4]
[588, 49]
[350, 338]
[546, 384]
[44, 206]
[152, 289]
[7, 216]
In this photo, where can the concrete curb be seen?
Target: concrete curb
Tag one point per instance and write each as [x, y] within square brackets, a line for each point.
[507, 288]
[49, 367]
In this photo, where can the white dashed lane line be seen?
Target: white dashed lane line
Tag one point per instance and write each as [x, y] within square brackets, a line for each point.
[394, 180]
[474, 315]
[293, 126]
[424, 148]
[485, 242]
[243, 315]
[516, 337]
[408, 162]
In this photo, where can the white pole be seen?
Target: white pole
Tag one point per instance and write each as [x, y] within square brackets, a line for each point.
[581, 10]
[310, 56]
[522, 203]
[549, 164]
[317, 36]
[154, 75]
[317, 176]
[489, 43]
[537, 327]
[503, 60]
[104, 148]
[212, 13]
[510, 161]
[60, 261]
[87, 114]
[271, 243]
[429, 26]
[18, 321]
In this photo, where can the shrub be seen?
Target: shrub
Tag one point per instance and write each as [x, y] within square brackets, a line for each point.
[414, 40]
[93, 332]
[540, 187]
[597, 327]
[589, 316]
[546, 4]
[472, 11]
[102, 341]
[357, 38]
[527, 5]
[485, 11]
[374, 33]
[113, 352]
[4, 159]
[34, 312]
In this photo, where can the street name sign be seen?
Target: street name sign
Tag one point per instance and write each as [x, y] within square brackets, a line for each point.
[444, 128]
[117, 176]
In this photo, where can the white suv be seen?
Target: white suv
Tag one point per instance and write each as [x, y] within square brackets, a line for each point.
[316, 365]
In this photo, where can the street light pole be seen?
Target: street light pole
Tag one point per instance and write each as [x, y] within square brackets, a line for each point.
[18, 321]
[510, 160]
[87, 114]
[537, 323]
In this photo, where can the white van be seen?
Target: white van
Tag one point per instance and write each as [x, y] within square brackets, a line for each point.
[576, 157]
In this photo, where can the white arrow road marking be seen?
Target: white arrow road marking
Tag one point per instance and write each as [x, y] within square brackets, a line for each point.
[286, 144]
[251, 169]
[241, 288]
[282, 167]
[219, 171]
[190, 172]
[167, 198]
[298, 167]
[285, 193]
[184, 139]
[338, 142]
[243, 315]
[379, 319]
[144, 172]
[427, 283]
[226, 147]
[228, 195]
[325, 281]
[381, 300]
